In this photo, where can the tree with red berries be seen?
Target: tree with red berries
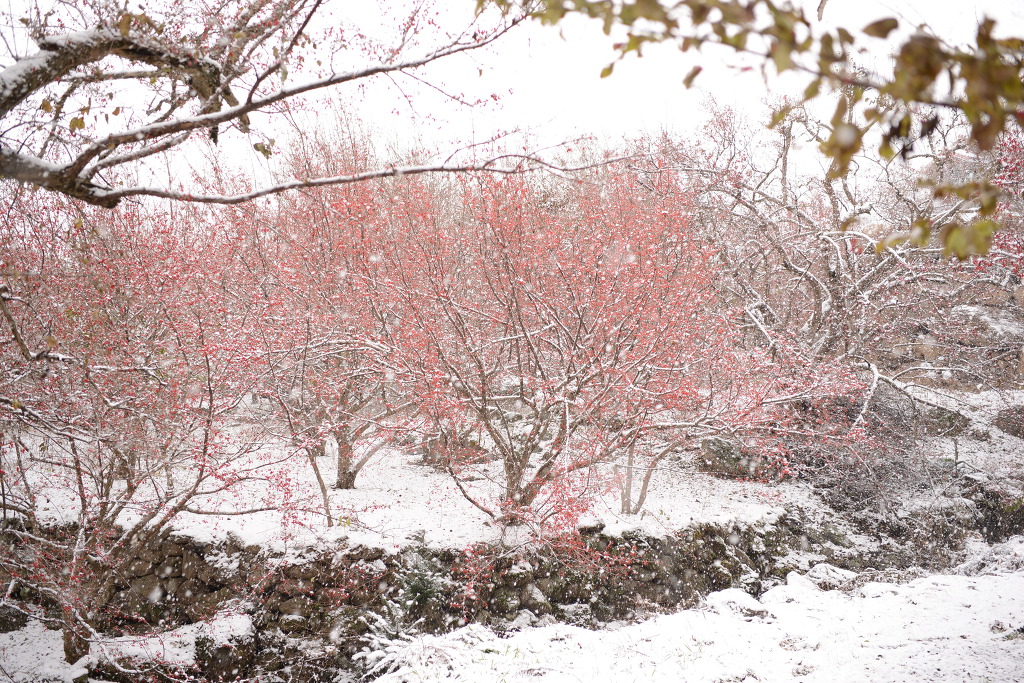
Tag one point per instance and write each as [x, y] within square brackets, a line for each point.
[127, 351]
[560, 337]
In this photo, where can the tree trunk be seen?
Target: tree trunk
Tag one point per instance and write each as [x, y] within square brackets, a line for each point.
[626, 482]
[311, 453]
[346, 480]
[75, 646]
[346, 475]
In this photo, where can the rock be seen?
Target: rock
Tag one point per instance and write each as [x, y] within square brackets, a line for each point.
[1011, 421]
[172, 585]
[226, 661]
[936, 421]
[144, 599]
[235, 544]
[298, 607]
[578, 614]
[1001, 512]
[190, 565]
[148, 588]
[126, 601]
[986, 326]
[646, 576]
[518, 575]
[303, 572]
[195, 567]
[927, 349]
[735, 600]
[170, 549]
[210, 575]
[151, 552]
[797, 580]
[483, 617]
[505, 601]
[534, 600]
[171, 568]
[12, 619]
[591, 528]
[551, 586]
[796, 586]
[187, 590]
[202, 606]
[297, 587]
[828, 577]
[138, 568]
[365, 553]
[292, 624]
[719, 456]
[524, 619]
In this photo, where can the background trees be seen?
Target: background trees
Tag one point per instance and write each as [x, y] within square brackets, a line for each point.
[557, 336]
[543, 340]
[811, 255]
[897, 109]
[125, 352]
[327, 372]
[808, 261]
[552, 337]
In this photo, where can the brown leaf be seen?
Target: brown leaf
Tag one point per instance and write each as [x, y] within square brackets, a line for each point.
[881, 28]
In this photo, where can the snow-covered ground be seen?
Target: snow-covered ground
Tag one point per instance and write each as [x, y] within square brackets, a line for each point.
[822, 625]
[984, 448]
[397, 503]
[964, 626]
[35, 654]
[936, 628]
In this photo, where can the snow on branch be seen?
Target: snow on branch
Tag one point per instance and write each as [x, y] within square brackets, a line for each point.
[67, 129]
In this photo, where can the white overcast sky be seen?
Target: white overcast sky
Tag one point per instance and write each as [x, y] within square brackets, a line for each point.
[548, 80]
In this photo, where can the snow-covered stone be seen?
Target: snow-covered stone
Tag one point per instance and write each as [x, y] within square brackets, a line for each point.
[828, 577]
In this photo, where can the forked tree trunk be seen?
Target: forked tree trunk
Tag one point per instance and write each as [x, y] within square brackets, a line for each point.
[626, 483]
[346, 480]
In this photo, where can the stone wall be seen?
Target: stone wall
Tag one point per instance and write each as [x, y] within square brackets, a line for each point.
[308, 614]
[335, 596]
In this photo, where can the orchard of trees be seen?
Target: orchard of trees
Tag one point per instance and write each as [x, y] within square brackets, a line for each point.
[96, 91]
[536, 337]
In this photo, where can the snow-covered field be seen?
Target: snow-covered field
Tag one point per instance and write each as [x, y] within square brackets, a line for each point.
[823, 624]
[937, 628]
[964, 626]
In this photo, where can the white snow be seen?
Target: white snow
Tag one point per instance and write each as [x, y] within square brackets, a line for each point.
[179, 646]
[938, 628]
[35, 654]
[825, 624]
[396, 504]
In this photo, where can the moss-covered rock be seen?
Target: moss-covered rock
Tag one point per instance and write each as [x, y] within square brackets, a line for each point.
[1001, 514]
[725, 458]
[936, 421]
[1011, 421]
